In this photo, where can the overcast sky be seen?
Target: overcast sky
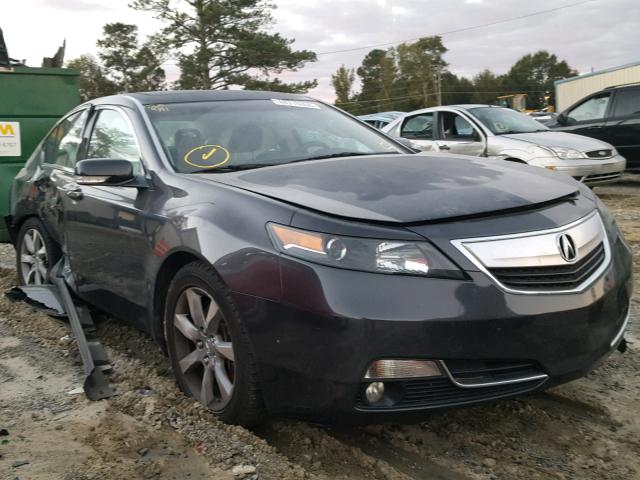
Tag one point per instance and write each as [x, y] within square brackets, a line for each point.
[597, 34]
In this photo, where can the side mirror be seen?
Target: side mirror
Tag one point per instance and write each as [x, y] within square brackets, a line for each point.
[103, 171]
[562, 119]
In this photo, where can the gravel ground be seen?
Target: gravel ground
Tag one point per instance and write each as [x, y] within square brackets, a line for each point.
[587, 429]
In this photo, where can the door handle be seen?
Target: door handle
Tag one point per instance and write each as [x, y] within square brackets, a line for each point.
[444, 147]
[74, 193]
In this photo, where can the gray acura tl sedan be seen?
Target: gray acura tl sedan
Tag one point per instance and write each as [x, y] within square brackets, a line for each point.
[502, 133]
[293, 260]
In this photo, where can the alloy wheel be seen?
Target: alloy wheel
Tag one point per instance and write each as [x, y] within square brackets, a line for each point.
[204, 348]
[33, 258]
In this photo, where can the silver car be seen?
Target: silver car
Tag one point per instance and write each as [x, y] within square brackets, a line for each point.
[502, 133]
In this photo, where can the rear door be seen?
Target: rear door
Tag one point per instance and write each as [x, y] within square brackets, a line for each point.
[59, 152]
[588, 117]
[456, 134]
[106, 242]
[623, 125]
[419, 129]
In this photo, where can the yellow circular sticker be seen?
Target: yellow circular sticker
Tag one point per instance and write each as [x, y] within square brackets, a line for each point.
[207, 156]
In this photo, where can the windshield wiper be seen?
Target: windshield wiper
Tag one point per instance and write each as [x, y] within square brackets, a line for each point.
[514, 132]
[250, 166]
[341, 154]
[235, 168]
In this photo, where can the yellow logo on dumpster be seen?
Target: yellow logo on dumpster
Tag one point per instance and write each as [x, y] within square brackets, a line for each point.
[10, 142]
[6, 130]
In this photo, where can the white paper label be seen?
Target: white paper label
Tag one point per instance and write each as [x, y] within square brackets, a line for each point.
[295, 103]
[10, 139]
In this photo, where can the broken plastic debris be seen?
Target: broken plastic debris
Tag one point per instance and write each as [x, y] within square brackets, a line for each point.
[76, 391]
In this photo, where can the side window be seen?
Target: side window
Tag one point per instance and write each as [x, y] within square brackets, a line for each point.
[419, 127]
[61, 146]
[456, 127]
[627, 103]
[113, 137]
[592, 109]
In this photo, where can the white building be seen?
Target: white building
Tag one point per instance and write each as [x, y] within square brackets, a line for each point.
[570, 90]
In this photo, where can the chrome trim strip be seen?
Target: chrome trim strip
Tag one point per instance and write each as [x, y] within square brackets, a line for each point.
[459, 244]
[541, 376]
[620, 333]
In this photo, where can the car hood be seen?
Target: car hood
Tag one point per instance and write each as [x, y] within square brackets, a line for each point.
[560, 139]
[404, 188]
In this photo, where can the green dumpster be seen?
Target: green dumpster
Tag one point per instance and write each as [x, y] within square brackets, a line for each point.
[31, 100]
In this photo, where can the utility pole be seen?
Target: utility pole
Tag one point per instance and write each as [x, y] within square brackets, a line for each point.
[439, 88]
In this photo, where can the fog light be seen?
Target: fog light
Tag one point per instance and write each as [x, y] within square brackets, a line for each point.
[374, 392]
[403, 369]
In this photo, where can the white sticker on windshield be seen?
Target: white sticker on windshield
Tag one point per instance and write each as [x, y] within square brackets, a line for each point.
[295, 103]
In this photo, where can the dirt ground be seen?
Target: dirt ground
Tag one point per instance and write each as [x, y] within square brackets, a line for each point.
[588, 429]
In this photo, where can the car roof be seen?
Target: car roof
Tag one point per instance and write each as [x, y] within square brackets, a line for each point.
[183, 96]
[462, 106]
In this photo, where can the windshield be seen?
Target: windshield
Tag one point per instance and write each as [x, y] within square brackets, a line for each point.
[221, 136]
[502, 121]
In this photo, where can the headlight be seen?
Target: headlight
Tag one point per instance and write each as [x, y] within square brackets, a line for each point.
[364, 254]
[567, 153]
[537, 151]
[613, 231]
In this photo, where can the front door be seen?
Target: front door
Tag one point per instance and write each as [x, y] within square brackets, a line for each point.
[588, 118]
[105, 237]
[623, 126]
[458, 135]
[419, 129]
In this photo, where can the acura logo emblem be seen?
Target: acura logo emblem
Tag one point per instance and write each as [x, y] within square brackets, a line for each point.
[567, 247]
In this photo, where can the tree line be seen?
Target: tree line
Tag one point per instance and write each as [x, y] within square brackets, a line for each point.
[215, 43]
[414, 75]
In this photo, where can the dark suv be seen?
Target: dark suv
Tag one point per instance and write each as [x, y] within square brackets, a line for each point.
[612, 115]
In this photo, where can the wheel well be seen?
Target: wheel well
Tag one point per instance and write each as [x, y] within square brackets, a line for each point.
[166, 273]
[14, 227]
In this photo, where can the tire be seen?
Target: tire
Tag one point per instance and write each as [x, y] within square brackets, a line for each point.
[41, 252]
[209, 347]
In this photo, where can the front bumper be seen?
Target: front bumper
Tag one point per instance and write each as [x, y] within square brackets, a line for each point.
[596, 171]
[314, 346]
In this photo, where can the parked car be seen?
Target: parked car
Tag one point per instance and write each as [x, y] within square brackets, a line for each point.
[380, 120]
[611, 115]
[294, 260]
[502, 133]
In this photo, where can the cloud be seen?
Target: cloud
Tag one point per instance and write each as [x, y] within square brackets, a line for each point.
[596, 35]
[76, 5]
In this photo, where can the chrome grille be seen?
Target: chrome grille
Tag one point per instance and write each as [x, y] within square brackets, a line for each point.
[533, 263]
[556, 277]
[604, 153]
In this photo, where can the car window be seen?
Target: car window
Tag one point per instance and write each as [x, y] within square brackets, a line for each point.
[419, 127]
[113, 137]
[61, 146]
[592, 109]
[627, 103]
[504, 121]
[455, 127]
